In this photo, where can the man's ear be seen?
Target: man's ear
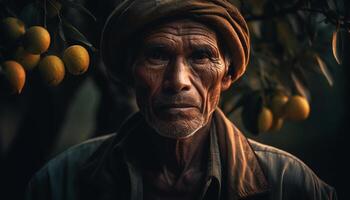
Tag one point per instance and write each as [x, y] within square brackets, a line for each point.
[226, 82]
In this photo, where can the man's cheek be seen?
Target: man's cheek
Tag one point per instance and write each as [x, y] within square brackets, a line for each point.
[147, 80]
[212, 89]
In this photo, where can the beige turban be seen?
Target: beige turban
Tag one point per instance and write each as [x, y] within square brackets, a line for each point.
[131, 17]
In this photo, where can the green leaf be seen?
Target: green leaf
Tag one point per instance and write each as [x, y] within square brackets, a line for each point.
[61, 32]
[78, 7]
[300, 86]
[324, 69]
[337, 45]
[73, 34]
[257, 6]
[31, 14]
[286, 36]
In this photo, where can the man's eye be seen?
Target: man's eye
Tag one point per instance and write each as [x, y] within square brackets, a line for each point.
[157, 55]
[200, 56]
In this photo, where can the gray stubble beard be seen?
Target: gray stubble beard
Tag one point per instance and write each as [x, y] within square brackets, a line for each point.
[180, 129]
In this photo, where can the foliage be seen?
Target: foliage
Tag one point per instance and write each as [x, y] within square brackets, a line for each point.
[48, 32]
[288, 46]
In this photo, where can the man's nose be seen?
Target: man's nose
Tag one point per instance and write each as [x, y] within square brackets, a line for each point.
[177, 77]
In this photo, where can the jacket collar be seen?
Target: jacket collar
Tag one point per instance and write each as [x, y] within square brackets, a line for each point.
[242, 172]
[232, 162]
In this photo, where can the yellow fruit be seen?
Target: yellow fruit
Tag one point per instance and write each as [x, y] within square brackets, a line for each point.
[53, 8]
[26, 59]
[277, 124]
[264, 120]
[277, 105]
[36, 40]
[11, 29]
[76, 58]
[15, 75]
[297, 108]
[52, 70]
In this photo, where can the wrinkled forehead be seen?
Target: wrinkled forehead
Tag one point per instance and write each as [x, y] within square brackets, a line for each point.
[185, 31]
[182, 28]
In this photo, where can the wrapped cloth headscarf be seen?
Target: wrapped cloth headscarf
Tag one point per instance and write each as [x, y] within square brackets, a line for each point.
[131, 17]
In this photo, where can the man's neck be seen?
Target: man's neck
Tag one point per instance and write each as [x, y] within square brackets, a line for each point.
[180, 155]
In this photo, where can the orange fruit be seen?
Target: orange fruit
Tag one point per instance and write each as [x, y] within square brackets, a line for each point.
[15, 75]
[52, 70]
[26, 59]
[36, 40]
[265, 118]
[297, 108]
[277, 124]
[11, 29]
[76, 58]
[277, 104]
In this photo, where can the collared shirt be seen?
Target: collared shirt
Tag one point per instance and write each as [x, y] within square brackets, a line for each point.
[213, 176]
[212, 188]
[237, 169]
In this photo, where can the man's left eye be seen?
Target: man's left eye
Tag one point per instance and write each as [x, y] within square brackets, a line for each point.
[200, 56]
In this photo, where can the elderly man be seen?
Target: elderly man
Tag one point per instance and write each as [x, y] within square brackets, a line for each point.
[179, 56]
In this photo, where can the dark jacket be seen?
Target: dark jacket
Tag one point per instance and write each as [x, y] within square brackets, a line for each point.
[106, 168]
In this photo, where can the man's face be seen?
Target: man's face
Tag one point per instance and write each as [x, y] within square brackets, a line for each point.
[179, 75]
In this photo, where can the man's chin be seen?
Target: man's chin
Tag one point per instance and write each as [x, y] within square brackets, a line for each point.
[177, 114]
[177, 129]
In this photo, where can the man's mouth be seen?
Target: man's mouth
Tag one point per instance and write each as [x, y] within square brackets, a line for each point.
[176, 109]
[176, 106]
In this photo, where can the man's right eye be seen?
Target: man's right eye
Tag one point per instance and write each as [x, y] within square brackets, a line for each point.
[157, 55]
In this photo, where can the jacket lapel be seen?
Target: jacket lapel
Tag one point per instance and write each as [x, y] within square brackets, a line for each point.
[106, 175]
[110, 174]
[244, 176]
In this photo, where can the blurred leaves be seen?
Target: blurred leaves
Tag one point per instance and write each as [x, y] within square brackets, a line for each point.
[31, 14]
[289, 45]
[301, 86]
[324, 69]
[78, 6]
[287, 38]
[70, 33]
[337, 45]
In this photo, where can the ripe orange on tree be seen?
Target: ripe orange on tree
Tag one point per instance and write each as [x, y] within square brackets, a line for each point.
[297, 108]
[52, 70]
[36, 40]
[11, 29]
[76, 58]
[28, 60]
[15, 75]
[265, 118]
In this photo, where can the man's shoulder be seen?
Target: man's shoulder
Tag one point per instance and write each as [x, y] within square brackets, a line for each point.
[62, 170]
[78, 154]
[288, 175]
[267, 152]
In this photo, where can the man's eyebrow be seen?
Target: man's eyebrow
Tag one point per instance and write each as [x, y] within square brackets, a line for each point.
[157, 45]
[206, 47]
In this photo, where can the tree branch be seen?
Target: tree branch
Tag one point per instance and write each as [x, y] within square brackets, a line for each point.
[284, 11]
[331, 16]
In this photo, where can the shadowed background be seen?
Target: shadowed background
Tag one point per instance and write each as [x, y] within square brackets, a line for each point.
[44, 121]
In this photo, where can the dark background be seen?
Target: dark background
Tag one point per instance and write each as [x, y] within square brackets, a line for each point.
[43, 121]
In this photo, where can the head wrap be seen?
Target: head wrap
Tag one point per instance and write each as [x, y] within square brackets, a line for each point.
[131, 17]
